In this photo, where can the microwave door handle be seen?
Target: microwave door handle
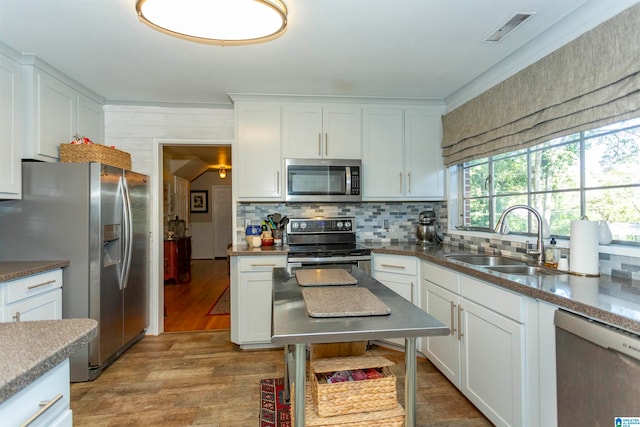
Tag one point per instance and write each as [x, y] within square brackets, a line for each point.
[347, 186]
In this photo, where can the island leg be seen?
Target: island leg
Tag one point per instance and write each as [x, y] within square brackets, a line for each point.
[299, 383]
[410, 387]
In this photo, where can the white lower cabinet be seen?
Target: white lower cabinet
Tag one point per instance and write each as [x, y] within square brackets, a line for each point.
[485, 354]
[251, 298]
[35, 297]
[45, 401]
[400, 274]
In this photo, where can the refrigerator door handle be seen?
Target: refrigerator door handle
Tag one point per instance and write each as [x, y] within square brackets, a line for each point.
[128, 230]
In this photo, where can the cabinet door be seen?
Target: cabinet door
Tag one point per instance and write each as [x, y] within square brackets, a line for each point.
[424, 168]
[251, 298]
[443, 352]
[56, 122]
[302, 132]
[491, 373]
[258, 160]
[10, 129]
[46, 306]
[382, 154]
[90, 119]
[342, 126]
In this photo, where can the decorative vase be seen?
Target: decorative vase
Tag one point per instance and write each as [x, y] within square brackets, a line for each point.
[604, 233]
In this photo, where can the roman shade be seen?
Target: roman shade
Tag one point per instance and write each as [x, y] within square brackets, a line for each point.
[590, 82]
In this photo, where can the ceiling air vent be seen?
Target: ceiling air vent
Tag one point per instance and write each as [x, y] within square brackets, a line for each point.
[508, 26]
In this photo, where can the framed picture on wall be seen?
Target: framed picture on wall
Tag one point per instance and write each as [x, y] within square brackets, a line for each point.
[200, 201]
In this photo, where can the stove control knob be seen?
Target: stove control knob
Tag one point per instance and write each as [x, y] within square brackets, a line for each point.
[295, 225]
[347, 225]
[303, 225]
[339, 224]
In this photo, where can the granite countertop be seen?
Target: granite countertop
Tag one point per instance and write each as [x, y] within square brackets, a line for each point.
[10, 270]
[244, 250]
[30, 349]
[604, 298]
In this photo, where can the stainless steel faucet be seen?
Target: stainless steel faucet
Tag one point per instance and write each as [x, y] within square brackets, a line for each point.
[501, 225]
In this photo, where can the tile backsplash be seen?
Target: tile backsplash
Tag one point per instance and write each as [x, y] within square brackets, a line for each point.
[401, 217]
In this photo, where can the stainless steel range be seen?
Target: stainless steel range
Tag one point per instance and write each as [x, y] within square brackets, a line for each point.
[321, 241]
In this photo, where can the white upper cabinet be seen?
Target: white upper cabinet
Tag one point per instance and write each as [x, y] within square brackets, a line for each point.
[10, 129]
[402, 158]
[257, 155]
[382, 153]
[56, 112]
[423, 164]
[316, 131]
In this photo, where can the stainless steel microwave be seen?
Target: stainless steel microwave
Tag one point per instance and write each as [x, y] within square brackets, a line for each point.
[323, 180]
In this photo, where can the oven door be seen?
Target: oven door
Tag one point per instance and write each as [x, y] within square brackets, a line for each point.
[362, 262]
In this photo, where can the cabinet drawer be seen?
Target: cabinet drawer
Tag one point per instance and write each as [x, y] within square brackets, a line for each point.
[440, 276]
[261, 263]
[504, 302]
[29, 286]
[52, 388]
[395, 264]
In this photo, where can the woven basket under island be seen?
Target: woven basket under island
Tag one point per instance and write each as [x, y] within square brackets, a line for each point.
[366, 402]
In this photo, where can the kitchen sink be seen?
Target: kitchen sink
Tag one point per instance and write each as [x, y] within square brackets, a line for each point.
[528, 270]
[488, 260]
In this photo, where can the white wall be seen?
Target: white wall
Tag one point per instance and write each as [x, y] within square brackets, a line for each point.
[141, 131]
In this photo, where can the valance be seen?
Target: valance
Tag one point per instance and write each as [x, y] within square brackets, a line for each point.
[590, 82]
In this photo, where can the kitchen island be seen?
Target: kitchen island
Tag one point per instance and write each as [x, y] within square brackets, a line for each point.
[292, 326]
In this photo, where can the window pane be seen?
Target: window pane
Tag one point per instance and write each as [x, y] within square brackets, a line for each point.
[559, 209]
[510, 175]
[613, 159]
[556, 169]
[619, 207]
[477, 213]
[476, 181]
[517, 219]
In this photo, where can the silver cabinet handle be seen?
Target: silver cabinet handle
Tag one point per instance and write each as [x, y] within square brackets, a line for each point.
[39, 285]
[320, 144]
[17, 316]
[326, 144]
[453, 326]
[402, 267]
[409, 183]
[277, 183]
[460, 334]
[412, 286]
[400, 182]
[45, 406]
[263, 265]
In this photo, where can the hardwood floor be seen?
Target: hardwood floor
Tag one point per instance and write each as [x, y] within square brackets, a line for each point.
[187, 304]
[201, 378]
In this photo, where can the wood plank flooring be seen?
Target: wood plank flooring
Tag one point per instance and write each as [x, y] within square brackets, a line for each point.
[187, 304]
[197, 377]
[202, 379]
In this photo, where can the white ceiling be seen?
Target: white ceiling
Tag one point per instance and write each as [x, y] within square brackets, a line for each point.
[427, 49]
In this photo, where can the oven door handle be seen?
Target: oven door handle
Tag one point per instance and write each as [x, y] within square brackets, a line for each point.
[329, 260]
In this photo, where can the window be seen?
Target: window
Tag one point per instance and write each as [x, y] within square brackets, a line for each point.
[594, 173]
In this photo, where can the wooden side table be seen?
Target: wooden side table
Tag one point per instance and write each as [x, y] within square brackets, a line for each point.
[177, 260]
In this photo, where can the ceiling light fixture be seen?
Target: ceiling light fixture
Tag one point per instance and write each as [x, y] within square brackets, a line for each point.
[222, 173]
[223, 22]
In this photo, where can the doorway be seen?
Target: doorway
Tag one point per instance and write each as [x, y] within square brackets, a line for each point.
[200, 300]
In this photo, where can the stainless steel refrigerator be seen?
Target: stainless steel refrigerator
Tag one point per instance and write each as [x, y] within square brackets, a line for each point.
[97, 217]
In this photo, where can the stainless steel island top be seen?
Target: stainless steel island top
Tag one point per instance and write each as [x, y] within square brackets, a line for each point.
[291, 325]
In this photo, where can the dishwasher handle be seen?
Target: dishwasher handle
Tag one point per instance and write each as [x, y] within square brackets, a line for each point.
[598, 333]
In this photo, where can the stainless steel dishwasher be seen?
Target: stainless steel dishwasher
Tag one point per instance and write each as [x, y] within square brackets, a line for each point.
[598, 372]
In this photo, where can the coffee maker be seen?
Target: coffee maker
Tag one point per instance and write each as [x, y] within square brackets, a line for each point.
[426, 230]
